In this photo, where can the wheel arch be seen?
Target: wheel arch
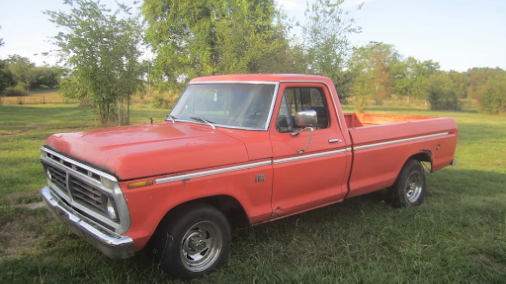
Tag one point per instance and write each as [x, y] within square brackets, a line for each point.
[225, 203]
[423, 155]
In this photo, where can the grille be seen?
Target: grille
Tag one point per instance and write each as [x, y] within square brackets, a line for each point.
[87, 195]
[80, 191]
[58, 177]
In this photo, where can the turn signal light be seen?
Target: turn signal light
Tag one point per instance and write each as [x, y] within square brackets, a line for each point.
[139, 184]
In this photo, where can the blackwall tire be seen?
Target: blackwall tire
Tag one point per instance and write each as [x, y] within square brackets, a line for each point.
[193, 242]
[410, 187]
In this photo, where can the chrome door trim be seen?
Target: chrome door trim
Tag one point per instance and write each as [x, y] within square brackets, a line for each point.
[309, 156]
[90, 169]
[211, 172]
[399, 141]
[273, 104]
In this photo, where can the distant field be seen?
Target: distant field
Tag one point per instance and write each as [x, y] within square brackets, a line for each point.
[458, 235]
[36, 97]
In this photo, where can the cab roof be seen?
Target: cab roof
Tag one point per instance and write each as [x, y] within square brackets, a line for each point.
[263, 77]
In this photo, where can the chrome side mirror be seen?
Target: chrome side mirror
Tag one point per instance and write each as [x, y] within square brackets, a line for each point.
[305, 118]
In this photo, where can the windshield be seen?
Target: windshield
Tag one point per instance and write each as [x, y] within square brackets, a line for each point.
[236, 105]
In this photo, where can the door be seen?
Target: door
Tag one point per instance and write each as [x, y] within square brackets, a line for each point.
[306, 178]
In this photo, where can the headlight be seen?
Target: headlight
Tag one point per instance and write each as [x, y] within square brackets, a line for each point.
[107, 183]
[111, 210]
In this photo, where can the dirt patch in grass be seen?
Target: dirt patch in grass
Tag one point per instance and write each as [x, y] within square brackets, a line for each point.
[20, 198]
[489, 261]
[16, 237]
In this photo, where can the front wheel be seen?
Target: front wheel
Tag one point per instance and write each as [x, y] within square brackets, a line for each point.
[409, 188]
[193, 242]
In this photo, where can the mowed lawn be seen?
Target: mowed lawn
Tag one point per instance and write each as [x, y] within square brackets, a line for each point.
[458, 235]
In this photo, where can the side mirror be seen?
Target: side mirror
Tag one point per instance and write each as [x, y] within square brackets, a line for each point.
[305, 118]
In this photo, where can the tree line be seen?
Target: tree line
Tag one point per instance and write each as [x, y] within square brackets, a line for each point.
[101, 49]
[18, 76]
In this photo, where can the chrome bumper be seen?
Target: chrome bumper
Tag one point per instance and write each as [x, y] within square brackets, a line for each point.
[107, 242]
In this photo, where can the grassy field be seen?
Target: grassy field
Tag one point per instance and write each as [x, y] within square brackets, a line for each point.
[50, 96]
[458, 235]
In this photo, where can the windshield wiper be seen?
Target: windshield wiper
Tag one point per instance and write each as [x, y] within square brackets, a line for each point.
[171, 118]
[204, 120]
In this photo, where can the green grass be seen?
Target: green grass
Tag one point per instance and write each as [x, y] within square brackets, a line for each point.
[458, 235]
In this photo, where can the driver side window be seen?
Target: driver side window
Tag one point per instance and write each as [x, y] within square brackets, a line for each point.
[299, 99]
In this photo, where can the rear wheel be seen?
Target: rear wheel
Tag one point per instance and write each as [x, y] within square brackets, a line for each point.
[193, 242]
[409, 188]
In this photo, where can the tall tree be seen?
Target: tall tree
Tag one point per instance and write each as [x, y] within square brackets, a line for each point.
[209, 37]
[99, 47]
[326, 41]
[374, 66]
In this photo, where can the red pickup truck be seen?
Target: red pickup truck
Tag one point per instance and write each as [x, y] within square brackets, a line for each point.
[267, 146]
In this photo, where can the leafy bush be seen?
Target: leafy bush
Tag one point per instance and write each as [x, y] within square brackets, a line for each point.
[492, 96]
[441, 93]
[160, 102]
[15, 92]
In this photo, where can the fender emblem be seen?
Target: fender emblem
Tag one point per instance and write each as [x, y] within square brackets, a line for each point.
[260, 178]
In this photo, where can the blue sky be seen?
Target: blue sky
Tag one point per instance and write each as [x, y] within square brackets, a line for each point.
[459, 34]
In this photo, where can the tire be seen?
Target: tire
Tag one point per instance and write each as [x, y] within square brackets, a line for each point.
[410, 186]
[194, 241]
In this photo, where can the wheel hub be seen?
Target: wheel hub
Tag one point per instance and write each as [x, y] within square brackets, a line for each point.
[201, 246]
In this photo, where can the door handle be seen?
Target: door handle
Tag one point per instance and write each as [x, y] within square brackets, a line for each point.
[335, 140]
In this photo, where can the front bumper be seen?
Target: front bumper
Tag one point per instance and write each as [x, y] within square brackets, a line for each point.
[107, 242]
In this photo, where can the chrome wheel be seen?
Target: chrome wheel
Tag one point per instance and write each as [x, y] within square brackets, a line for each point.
[414, 186]
[201, 246]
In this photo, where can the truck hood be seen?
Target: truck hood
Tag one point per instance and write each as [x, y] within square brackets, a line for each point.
[150, 150]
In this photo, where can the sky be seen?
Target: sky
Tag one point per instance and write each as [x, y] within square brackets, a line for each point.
[459, 34]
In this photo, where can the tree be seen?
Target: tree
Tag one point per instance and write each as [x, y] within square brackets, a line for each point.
[441, 92]
[101, 49]
[210, 37]
[374, 66]
[6, 77]
[460, 82]
[46, 77]
[326, 41]
[492, 95]
[412, 78]
[22, 70]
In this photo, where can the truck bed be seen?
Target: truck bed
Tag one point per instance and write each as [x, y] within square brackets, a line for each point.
[354, 120]
[382, 143]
